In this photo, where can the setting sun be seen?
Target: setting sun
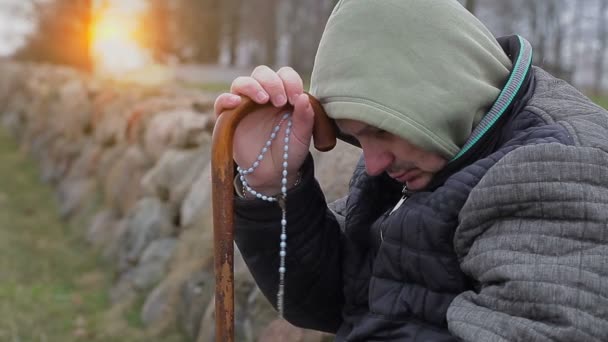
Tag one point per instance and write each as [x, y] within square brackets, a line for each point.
[115, 48]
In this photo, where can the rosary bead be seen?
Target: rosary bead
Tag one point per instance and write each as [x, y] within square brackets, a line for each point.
[285, 164]
[256, 164]
[284, 173]
[283, 189]
[283, 237]
[283, 244]
[281, 269]
[284, 181]
[283, 222]
[250, 170]
[273, 135]
[283, 253]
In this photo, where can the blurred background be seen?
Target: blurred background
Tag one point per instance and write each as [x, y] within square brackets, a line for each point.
[111, 37]
[106, 113]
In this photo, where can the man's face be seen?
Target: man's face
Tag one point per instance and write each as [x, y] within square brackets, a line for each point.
[385, 152]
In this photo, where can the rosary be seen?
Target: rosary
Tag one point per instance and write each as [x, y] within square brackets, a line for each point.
[281, 198]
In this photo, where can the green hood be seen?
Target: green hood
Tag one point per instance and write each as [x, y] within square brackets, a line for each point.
[424, 70]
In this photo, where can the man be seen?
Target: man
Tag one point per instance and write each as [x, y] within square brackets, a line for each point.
[479, 210]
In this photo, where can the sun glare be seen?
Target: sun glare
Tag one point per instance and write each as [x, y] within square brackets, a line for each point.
[114, 47]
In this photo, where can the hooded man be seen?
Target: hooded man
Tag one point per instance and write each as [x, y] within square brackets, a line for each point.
[478, 210]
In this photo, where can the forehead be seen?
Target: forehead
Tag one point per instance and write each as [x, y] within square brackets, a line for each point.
[352, 127]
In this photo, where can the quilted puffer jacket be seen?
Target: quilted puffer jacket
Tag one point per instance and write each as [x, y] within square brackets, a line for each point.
[508, 243]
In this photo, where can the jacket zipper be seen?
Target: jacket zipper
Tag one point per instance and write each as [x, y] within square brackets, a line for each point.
[405, 194]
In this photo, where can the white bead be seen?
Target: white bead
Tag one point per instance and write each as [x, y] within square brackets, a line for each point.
[253, 192]
[287, 131]
[256, 164]
[283, 222]
[260, 157]
[243, 178]
[283, 253]
[286, 140]
[281, 269]
[250, 170]
[286, 148]
[265, 149]
[277, 128]
[283, 189]
[289, 123]
[273, 135]
[283, 237]
[285, 164]
[285, 116]
[265, 198]
[283, 244]
[259, 195]
[284, 173]
[284, 181]
[285, 156]
[268, 143]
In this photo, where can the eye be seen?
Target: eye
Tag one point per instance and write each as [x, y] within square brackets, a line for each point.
[381, 133]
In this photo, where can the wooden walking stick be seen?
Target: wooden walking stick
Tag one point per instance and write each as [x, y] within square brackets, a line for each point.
[222, 177]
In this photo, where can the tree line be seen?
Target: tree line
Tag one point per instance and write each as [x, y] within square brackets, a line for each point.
[570, 37]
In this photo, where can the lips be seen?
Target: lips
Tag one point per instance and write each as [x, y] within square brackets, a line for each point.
[406, 176]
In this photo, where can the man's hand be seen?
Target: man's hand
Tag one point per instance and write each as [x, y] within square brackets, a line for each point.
[279, 88]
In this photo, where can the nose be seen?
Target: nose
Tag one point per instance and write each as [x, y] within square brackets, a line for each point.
[376, 161]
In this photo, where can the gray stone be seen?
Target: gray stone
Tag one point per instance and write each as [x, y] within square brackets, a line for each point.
[150, 220]
[122, 182]
[156, 308]
[153, 265]
[74, 195]
[172, 177]
[197, 204]
[117, 235]
[194, 297]
[101, 227]
[175, 129]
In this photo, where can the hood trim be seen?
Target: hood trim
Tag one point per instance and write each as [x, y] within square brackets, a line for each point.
[505, 98]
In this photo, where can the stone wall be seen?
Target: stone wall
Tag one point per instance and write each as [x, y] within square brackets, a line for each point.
[130, 166]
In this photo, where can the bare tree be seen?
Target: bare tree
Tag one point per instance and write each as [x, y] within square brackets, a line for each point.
[62, 34]
[603, 44]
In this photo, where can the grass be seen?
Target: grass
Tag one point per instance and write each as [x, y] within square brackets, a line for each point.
[53, 287]
[601, 100]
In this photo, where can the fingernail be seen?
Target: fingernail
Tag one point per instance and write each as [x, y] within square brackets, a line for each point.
[280, 100]
[261, 96]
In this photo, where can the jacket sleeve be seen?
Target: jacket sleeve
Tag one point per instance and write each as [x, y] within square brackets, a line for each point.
[534, 236]
[313, 281]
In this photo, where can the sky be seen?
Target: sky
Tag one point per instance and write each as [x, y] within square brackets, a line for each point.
[14, 24]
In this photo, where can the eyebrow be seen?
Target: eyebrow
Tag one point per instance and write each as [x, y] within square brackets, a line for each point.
[367, 130]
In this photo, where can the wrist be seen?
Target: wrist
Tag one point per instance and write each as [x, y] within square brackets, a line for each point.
[273, 191]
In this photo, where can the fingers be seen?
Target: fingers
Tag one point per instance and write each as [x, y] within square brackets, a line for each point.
[250, 87]
[264, 84]
[225, 102]
[272, 84]
[303, 119]
[292, 83]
